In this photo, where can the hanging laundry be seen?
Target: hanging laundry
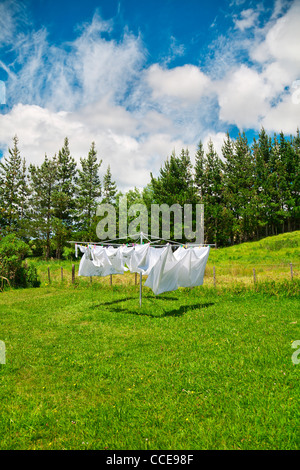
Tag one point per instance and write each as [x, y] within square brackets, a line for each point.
[170, 273]
[166, 270]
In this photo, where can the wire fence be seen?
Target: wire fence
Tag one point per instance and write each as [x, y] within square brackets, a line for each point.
[218, 274]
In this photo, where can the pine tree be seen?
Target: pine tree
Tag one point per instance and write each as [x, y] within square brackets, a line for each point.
[175, 181]
[64, 197]
[199, 170]
[10, 189]
[209, 179]
[289, 179]
[88, 192]
[295, 186]
[239, 187]
[42, 198]
[261, 156]
[109, 188]
[24, 199]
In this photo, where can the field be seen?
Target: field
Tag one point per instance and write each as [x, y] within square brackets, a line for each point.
[203, 368]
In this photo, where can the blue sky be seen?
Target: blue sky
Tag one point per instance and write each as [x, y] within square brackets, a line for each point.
[141, 78]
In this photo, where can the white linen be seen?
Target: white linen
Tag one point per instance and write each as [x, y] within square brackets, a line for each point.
[170, 273]
[166, 270]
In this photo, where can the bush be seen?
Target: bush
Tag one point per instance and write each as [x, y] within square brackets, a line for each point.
[69, 252]
[12, 266]
[31, 275]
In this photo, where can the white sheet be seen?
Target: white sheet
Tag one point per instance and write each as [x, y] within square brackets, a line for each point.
[170, 273]
[166, 270]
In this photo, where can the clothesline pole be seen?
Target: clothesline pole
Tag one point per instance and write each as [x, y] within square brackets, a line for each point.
[141, 279]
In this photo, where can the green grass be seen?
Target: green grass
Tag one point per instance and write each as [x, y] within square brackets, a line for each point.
[202, 368]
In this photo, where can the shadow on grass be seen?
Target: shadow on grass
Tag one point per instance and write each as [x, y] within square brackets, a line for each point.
[177, 312]
[124, 299]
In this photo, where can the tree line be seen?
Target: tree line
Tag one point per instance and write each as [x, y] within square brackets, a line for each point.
[249, 191]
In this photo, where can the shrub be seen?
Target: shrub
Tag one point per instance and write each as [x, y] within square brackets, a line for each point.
[69, 253]
[32, 279]
[13, 251]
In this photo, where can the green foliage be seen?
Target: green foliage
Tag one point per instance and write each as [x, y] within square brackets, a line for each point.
[31, 276]
[12, 266]
[68, 252]
[43, 184]
[174, 185]
[88, 192]
[13, 190]
[109, 188]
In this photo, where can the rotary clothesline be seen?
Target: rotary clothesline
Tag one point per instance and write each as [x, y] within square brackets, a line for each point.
[166, 271]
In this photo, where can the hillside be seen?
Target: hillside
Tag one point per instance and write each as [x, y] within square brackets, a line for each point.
[278, 249]
[269, 257]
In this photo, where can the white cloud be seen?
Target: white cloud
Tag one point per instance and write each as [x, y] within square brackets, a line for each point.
[114, 131]
[185, 83]
[75, 74]
[247, 19]
[281, 42]
[285, 116]
[243, 97]
[256, 94]
[12, 15]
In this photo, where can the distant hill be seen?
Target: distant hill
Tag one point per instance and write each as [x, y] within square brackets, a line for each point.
[277, 249]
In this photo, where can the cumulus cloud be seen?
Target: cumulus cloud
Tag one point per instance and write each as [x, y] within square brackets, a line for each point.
[186, 83]
[281, 42]
[99, 89]
[259, 92]
[243, 97]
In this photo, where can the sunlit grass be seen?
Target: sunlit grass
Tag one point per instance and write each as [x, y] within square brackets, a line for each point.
[201, 368]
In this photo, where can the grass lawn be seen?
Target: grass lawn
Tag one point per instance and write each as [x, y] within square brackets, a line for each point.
[202, 368]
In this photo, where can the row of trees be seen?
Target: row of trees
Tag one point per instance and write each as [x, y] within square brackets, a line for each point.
[248, 192]
[50, 203]
[251, 191]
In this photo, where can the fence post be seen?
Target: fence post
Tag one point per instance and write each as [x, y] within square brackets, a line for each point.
[135, 276]
[110, 279]
[49, 279]
[214, 269]
[254, 276]
[73, 273]
[91, 279]
[291, 266]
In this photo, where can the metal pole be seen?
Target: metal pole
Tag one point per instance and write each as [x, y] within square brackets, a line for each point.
[141, 279]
